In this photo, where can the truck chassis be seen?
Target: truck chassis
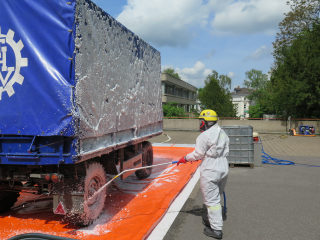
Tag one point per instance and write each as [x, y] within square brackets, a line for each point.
[69, 184]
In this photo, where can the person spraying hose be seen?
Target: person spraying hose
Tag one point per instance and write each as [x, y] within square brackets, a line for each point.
[212, 145]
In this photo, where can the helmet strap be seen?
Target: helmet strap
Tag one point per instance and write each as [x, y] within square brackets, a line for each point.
[204, 125]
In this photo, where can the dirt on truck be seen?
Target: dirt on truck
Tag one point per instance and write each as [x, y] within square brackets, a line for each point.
[80, 95]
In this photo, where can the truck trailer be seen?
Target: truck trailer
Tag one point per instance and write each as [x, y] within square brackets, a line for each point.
[80, 95]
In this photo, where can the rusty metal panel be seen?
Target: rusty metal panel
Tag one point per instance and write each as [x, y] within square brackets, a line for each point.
[134, 162]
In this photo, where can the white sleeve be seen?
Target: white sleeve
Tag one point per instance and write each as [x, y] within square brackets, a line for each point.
[200, 150]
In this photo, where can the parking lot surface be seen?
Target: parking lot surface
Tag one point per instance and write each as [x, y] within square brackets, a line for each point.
[275, 144]
[268, 202]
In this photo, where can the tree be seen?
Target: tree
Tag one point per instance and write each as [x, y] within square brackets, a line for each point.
[216, 96]
[223, 80]
[171, 72]
[255, 80]
[259, 95]
[295, 78]
[295, 87]
[171, 109]
[256, 111]
[303, 15]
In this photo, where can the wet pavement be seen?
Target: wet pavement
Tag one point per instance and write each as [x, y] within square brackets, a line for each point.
[268, 202]
[132, 208]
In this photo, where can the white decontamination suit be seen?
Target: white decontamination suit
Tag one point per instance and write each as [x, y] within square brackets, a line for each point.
[212, 146]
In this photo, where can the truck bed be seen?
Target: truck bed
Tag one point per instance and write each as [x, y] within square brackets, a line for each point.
[84, 78]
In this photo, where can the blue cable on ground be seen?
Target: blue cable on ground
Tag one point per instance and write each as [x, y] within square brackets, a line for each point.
[225, 203]
[267, 159]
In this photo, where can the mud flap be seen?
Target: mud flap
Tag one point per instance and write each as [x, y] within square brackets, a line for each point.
[60, 209]
[69, 203]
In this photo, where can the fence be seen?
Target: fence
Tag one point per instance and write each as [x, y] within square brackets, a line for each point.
[259, 125]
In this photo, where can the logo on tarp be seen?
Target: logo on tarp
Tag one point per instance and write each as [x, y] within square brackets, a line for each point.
[10, 74]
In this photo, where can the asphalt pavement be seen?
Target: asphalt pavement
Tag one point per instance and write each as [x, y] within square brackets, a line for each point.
[268, 202]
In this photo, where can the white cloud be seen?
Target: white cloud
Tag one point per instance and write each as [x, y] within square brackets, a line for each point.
[176, 23]
[249, 8]
[165, 67]
[198, 67]
[195, 75]
[164, 22]
[207, 72]
[260, 53]
[248, 17]
[231, 74]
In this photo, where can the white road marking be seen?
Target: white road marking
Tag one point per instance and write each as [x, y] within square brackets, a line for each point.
[162, 228]
[169, 138]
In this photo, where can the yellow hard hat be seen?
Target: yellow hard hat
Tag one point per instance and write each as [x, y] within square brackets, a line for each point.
[209, 115]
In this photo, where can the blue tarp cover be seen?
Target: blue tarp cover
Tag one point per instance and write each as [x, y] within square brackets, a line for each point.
[37, 74]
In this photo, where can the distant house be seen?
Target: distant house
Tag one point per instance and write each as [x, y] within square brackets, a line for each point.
[177, 90]
[239, 97]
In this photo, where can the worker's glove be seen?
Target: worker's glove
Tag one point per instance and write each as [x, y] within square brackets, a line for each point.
[182, 160]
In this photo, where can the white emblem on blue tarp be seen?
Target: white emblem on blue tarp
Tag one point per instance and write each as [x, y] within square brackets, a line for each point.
[14, 71]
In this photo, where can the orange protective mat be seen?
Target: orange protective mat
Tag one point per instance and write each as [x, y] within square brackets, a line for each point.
[132, 208]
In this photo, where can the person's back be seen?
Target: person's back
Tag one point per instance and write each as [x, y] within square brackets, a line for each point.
[212, 146]
[217, 142]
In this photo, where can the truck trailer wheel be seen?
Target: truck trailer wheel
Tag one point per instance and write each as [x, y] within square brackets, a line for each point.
[94, 180]
[7, 200]
[147, 160]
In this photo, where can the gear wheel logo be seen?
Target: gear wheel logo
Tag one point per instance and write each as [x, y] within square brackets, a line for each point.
[5, 71]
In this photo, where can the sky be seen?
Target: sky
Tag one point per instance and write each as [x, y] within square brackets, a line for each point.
[195, 37]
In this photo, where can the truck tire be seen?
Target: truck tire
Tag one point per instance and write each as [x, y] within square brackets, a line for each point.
[7, 200]
[147, 160]
[94, 180]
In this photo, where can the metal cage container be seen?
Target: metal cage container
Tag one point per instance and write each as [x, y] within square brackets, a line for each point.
[241, 149]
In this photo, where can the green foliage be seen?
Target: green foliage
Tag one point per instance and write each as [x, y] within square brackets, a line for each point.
[303, 15]
[171, 109]
[295, 78]
[260, 93]
[257, 81]
[196, 112]
[223, 80]
[172, 72]
[256, 111]
[216, 96]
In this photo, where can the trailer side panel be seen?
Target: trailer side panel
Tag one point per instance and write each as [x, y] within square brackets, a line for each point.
[118, 89]
[36, 52]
